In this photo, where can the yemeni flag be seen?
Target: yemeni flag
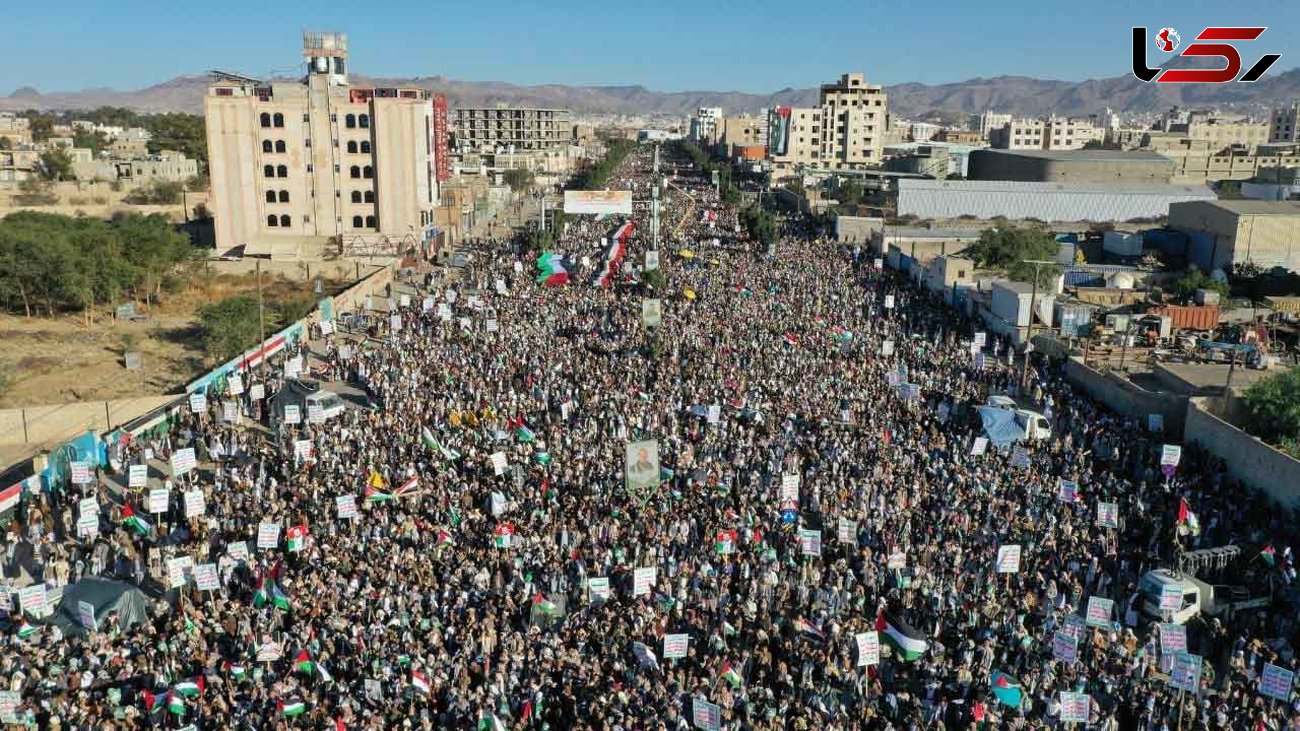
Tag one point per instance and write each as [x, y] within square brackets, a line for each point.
[411, 485]
[374, 495]
[26, 629]
[296, 537]
[552, 271]
[525, 435]
[730, 675]
[810, 628]
[906, 641]
[10, 496]
[294, 707]
[135, 522]
[191, 688]
[420, 681]
[725, 542]
[1006, 689]
[175, 703]
[504, 535]
[303, 663]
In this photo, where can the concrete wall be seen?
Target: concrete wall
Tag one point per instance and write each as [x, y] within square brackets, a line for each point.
[1249, 460]
[1002, 165]
[62, 421]
[1122, 396]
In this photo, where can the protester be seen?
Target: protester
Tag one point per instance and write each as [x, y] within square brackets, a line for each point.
[462, 594]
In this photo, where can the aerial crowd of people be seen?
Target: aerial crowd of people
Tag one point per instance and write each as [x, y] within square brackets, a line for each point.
[825, 540]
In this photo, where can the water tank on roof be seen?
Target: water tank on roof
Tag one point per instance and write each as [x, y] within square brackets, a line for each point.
[1120, 280]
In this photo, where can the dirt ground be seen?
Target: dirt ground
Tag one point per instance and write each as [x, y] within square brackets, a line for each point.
[51, 361]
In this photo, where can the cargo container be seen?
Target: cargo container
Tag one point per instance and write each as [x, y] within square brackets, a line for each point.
[1202, 317]
[1122, 243]
[1010, 302]
[1076, 320]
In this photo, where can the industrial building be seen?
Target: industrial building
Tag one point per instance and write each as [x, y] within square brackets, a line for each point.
[299, 167]
[1264, 233]
[513, 129]
[1071, 166]
[947, 199]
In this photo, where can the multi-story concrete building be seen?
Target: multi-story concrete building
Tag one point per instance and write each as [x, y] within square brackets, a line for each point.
[990, 121]
[1070, 134]
[1239, 231]
[320, 162]
[1284, 124]
[510, 129]
[166, 166]
[743, 132]
[922, 131]
[16, 129]
[959, 136]
[1018, 134]
[1223, 133]
[846, 131]
[704, 125]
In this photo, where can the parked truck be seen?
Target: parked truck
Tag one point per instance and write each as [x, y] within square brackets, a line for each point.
[1197, 597]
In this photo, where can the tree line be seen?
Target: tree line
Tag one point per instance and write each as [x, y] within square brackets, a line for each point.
[596, 177]
[51, 263]
[177, 131]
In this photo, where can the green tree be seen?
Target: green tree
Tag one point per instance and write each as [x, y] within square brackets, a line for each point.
[849, 193]
[157, 192]
[41, 125]
[1008, 247]
[93, 141]
[759, 224]
[1193, 279]
[1273, 410]
[229, 326]
[55, 164]
[180, 132]
[519, 179]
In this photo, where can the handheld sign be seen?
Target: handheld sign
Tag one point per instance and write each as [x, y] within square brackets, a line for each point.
[86, 615]
[346, 505]
[675, 646]
[810, 542]
[205, 577]
[238, 550]
[1186, 673]
[137, 475]
[789, 488]
[1276, 682]
[159, 498]
[81, 473]
[868, 648]
[32, 599]
[1065, 647]
[847, 531]
[198, 403]
[1108, 515]
[1173, 638]
[1075, 707]
[1099, 612]
[1170, 455]
[88, 525]
[1009, 559]
[195, 504]
[598, 588]
[643, 580]
[183, 461]
[268, 535]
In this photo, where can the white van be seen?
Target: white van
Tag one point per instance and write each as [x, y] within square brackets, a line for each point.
[330, 403]
[1034, 424]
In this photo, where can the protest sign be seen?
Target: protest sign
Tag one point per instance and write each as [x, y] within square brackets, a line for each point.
[346, 506]
[897, 559]
[315, 414]
[198, 403]
[292, 414]
[81, 473]
[641, 464]
[86, 615]
[88, 525]
[159, 499]
[1170, 455]
[705, 716]
[1108, 515]
[1075, 707]
[643, 580]
[137, 475]
[1186, 673]
[889, 302]
[868, 648]
[257, 391]
[32, 599]
[810, 542]
[1275, 682]
[652, 312]
[499, 463]
[1173, 637]
[183, 461]
[1068, 490]
[230, 412]
[1065, 647]
[1019, 457]
[1171, 597]
[598, 588]
[789, 488]
[1099, 612]
[675, 646]
[847, 531]
[9, 702]
[645, 657]
[176, 572]
[205, 577]
[88, 506]
[235, 384]
[268, 535]
[238, 550]
[1009, 559]
[980, 446]
[195, 504]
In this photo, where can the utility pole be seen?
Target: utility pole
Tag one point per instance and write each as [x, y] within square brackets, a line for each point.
[1029, 336]
[261, 312]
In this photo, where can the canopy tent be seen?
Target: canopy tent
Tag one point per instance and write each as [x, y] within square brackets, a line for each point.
[293, 393]
[107, 597]
[1000, 425]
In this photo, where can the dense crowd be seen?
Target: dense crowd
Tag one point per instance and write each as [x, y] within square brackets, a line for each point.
[806, 495]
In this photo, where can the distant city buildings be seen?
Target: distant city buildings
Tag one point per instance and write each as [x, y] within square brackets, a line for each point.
[1284, 124]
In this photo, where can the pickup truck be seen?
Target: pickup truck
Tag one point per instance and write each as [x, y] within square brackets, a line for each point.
[1197, 597]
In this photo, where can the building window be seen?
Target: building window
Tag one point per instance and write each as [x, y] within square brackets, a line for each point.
[284, 196]
[270, 196]
[278, 120]
[356, 196]
[350, 121]
[370, 222]
[356, 222]
[272, 221]
[370, 196]
[306, 118]
[352, 146]
[282, 171]
[285, 221]
[354, 171]
[306, 219]
[266, 119]
[266, 146]
[279, 146]
[367, 172]
[268, 171]
[306, 142]
[365, 146]
[364, 121]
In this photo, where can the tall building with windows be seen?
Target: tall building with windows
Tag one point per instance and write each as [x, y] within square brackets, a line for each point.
[510, 129]
[1284, 124]
[845, 131]
[303, 168]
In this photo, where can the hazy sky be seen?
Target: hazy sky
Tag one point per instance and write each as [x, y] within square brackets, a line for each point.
[669, 45]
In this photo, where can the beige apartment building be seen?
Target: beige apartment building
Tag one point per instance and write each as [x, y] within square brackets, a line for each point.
[846, 131]
[1284, 124]
[1053, 133]
[298, 169]
[510, 129]
[1221, 134]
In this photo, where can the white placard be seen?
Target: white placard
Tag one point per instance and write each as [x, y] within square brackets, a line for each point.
[598, 588]
[88, 506]
[491, 326]
[257, 391]
[292, 414]
[887, 348]
[315, 414]
[176, 572]
[1108, 515]
[32, 599]
[346, 506]
[268, 651]
[980, 446]
[230, 412]
[404, 300]
[889, 302]
[268, 535]
[1170, 455]
[81, 473]
[1065, 647]
[444, 312]
[86, 615]
[9, 702]
[326, 327]
[981, 338]
[1075, 707]
[159, 497]
[500, 285]
[88, 526]
[1276, 682]
[450, 295]
[198, 403]
[183, 461]
[675, 646]
[238, 550]
[395, 323]
[137, 475]
[499, 463]
[1009, 559]
[1067, 490]
[235, 384]
[868, 648]
[205, 577]
[810, 542]
[789, 488]
[195, 504]
[302, 449]
[427, 304]
[847, 531]
[643, 580]
[293, 367]
[897, 559]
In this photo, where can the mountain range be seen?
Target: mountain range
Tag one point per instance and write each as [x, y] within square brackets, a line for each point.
[1018, 94]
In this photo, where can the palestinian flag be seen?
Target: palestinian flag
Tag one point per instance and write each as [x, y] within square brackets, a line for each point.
[1269, 555]
[27, 629]
[263, 593]
[489, 722]
[504, 535]
[544, 605]
[175, 703]
[426, 437]
[238, 672]
[294, 707]
[906, 641]
[152, 703]
[190, 688]
[303, 664]
[810, 628]
[1187, 520]
[730, 675]
[411, 485]
[420, 681]
[525, 435]
[374, 495]
[279, 598]
[1006, 689]
[135, 522]
[552, 271]
[543, 458]
[296, 538]
[725, 542]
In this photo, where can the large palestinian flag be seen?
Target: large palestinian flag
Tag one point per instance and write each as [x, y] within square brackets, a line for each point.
[906, 641]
